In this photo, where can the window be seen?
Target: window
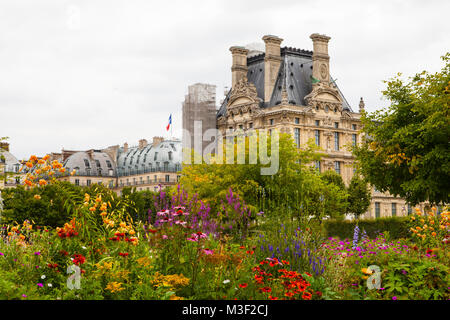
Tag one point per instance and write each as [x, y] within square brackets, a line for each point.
[326, 108]
[353, 126]
[166, 166]
[337, 166]
[167, 178]
[86, 163]
[178, 178]
[97, 163]
[148, 179]
[297, 136]
[170, 155]
[156, 154]
[409, 209]
[155, 178]
[241, 127]
[297, 120]
[111, 184]
[88, 182]
[336, 125]
[377, 209]
[318, 166]
[354, 139]
[157, 166]
[394, 209]
[271, 122]
[77, 182]
[317, 122]
[134, 181]
[141, 179]
[336, 141]
[250, 125]
[317, 136]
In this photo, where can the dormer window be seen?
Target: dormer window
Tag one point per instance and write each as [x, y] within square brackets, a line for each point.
[97, 163]
[108, 163]
[170, 155]
[86, 163]
[156, 155]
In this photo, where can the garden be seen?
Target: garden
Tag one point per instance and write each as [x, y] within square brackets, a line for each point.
[180, 247]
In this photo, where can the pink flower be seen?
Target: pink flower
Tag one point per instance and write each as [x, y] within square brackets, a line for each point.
[208, 251]
[165, 237]
[394, 298]
[40, 285]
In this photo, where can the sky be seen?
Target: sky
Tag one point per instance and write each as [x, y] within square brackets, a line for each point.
[85, 74]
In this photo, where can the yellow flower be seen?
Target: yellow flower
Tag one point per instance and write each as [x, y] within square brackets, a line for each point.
[114, 287]
[37, 197]
[122, 224]
[92, 209]
[412, 218]
[366, 271]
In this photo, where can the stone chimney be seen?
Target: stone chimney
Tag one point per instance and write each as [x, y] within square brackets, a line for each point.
[157, 140]
[125, 147]
[239, 64]
[321, 59]
[142, 144]
[361, 105]
[272, 61]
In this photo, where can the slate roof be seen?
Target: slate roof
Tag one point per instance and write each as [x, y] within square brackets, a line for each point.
[294, 75]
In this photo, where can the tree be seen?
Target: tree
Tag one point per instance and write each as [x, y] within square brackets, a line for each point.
[359, 196]
[296, 189]
[406, 147]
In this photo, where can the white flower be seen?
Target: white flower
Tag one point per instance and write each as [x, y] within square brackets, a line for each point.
[84, 248]
[43, 276]
[50, 285]
[226, 281]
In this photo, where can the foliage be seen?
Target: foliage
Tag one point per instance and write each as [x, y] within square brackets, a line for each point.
[408, 142]
[430, 229]
[359, 196]
[396, 226]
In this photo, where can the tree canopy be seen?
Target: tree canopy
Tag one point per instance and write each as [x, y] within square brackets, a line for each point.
[406, 147]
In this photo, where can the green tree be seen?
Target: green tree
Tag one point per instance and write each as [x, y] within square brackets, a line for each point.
[359, 196]
[296, 189]
[406, 149]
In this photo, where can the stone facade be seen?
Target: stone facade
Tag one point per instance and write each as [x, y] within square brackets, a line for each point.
[291, 90]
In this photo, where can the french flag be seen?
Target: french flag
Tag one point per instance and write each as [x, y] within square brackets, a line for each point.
[170, 122]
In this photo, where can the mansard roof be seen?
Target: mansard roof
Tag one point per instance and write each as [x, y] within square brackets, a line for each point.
[295, 75]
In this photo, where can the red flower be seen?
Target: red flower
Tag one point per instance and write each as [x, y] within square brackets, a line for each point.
[78, 259]
[250, 252]
[429, 251]
[319, 294]
[306, 296]
[123, 254]
[266, 289]
[242, 247]
[152, 230]
[64, 252]
[243, 285]
[273, 298]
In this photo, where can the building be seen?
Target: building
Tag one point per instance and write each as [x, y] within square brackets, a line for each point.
[9, 167]
[199, 105]
[146, 166]
[292, 90]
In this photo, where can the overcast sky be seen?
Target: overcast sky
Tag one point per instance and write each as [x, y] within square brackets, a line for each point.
[87, 74]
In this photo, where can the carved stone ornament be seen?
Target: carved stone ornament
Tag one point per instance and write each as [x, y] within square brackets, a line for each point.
[243, 89]
[324, 94]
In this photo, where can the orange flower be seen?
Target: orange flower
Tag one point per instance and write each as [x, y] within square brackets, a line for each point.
[29, 164]
[62, 170]
[40, 161]
[46, 157]
[33, 158]
[42, 182]
[28, 182]
[37, 197]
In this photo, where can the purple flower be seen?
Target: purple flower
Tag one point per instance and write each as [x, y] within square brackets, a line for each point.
[37, 253]
[24, 295]
[394, 298]
[1, 254]
[40, 285]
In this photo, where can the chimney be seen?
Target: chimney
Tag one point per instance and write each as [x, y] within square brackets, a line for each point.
[125, 147]
[142, 144]
[321, 59]
[239, 64]
[361, 105]
[157, 140]
[272, 61]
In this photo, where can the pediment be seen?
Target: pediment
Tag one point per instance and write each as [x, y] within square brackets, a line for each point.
[240, 101]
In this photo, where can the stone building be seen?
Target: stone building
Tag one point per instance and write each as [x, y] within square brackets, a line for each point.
[146, 166]
[292, 90]
[9, 167]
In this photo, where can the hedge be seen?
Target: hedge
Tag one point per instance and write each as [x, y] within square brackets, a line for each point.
[396, 226]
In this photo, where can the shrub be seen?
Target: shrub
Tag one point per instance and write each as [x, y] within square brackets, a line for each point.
[396, 226]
